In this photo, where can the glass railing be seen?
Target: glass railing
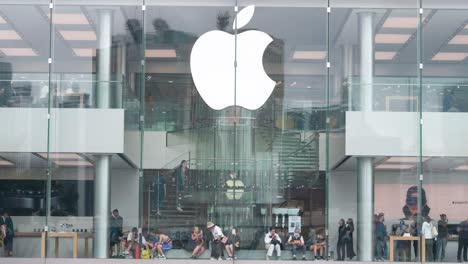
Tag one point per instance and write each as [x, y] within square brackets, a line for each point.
[401, 94]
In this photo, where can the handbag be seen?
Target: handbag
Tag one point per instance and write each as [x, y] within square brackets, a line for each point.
[224, 240]
[434, 231]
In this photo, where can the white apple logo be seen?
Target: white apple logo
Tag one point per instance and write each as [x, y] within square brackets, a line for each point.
[217, 80]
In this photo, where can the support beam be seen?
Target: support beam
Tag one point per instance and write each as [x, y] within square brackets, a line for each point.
[102, 180]
[365, 190]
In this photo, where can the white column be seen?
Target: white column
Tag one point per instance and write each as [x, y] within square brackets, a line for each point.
[102, 181]
[365, 187]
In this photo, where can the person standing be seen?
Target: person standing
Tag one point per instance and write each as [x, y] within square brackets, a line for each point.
[218, 241]
[442, 229]
[341, 245]
[349, 241]
[462, 241]
[181, 174]
[116, 228]
[381, 235]
[9, 234]
[272, 242]
[427, 232]
[297, 242]
[159, 187]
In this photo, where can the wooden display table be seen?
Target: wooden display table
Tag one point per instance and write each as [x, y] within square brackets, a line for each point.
[58, 235]
[393, 239]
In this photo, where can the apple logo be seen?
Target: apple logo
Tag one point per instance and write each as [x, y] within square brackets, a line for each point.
[216, 78]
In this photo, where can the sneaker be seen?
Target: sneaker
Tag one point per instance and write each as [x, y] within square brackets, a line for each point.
[163, 257]
[178, 208]
[322, 258]
[125, 252]
[228, 258]
[220, 258]
[267, 257]
[213, 258]
[294, 257]
[303, 258]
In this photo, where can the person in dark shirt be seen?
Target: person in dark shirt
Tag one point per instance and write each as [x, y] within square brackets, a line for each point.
[341, 245]
[159, 186]
[116, 226]
[381, 235]
[442, 229]
[462, 240]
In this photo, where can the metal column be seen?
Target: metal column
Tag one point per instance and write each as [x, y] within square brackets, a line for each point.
[365, 188]
[102, 181]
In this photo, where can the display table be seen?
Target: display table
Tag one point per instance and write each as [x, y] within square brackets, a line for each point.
[393, 239]
[72, 235]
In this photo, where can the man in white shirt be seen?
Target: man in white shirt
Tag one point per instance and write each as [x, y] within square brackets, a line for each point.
[428, 233]
[272, 243]
[218, 241]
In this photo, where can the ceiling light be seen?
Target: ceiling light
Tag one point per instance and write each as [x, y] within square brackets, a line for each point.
[450, 56]
[405, 159]
[84, 52]
[160, 53]
[20, 52]
[395, 166]
[60, 155]
[73, 163]
[385, 55]
[78, 35]
[69, 19]
[6, 163]
[459, 40]
[461, 168]
[391, 38]
[309, 55]
[9, 35]
[401, 22]
[2, 20]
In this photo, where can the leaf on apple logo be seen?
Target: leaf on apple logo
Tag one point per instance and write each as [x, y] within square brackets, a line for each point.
[243, 17]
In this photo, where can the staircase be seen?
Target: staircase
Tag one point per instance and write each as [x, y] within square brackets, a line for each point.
[298, 158]
[169, 219]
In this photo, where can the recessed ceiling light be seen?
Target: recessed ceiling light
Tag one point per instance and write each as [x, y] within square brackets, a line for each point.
[9, 35]
[401, 22]
[405, 159]
[84, 52]
[6, 163]
[395, 166]
[459, 40]
[60, 155]
[78, 35]
[450, 56]
[73, 163]
[19, 52]
[69, 19]
[309, 55]
[391, 38]
[461, 168]
[385, 55]
[160, 53]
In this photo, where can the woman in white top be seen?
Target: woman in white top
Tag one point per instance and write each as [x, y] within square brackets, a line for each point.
[428, 233]
[217, 246]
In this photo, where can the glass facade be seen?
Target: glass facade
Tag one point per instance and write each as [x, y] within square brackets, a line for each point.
[146, 128]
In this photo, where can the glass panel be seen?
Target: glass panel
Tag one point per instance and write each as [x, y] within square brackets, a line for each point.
[278, 155]
[188, 144]
[373, 165]
[96, 63]
[23, 111]
[444, 91]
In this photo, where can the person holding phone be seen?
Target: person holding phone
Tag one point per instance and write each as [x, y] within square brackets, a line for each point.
[272, 243]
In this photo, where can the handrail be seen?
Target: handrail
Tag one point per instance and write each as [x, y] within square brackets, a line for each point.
[314, 137]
